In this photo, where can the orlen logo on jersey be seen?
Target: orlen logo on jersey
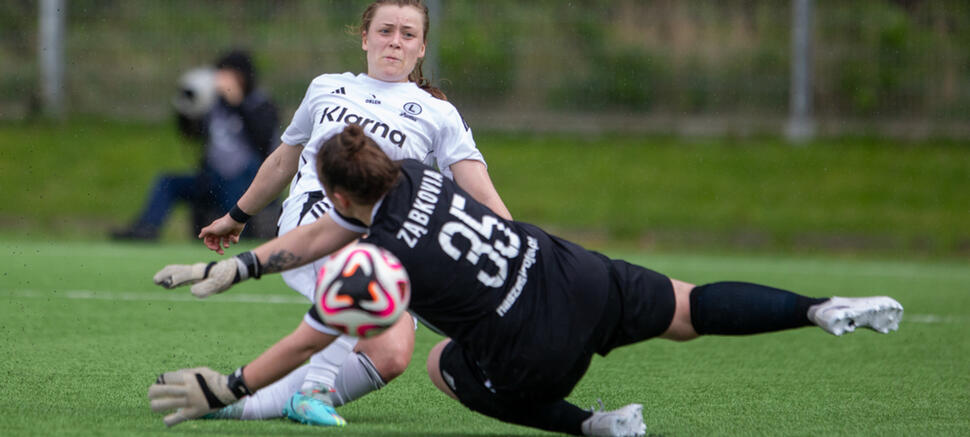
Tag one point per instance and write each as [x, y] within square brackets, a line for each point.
[339, 114]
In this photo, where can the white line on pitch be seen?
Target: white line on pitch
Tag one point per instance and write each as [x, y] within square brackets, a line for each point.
[933, 318]
[174, 296]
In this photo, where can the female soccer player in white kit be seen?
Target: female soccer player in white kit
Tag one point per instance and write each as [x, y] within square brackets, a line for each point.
[407, 118]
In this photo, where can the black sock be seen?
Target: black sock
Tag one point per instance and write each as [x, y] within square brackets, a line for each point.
[740, 308]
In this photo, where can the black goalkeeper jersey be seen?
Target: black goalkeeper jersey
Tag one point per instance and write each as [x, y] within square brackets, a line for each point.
[523, 302]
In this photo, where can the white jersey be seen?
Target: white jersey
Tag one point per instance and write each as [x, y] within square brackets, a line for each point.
[404, 120]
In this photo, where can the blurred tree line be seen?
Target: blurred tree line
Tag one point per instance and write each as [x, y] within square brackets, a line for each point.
[873, 59]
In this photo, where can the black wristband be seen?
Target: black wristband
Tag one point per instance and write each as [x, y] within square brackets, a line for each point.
[207, 268]
[238, 214]
[237, 385]
[253, 268]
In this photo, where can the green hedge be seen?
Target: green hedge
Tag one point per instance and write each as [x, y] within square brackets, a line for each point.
[855, 195]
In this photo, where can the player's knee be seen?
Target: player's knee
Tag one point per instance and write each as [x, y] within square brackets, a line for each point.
[394, 365]
[391, 351]
[389, 361]
[681, 326]
[434, 368]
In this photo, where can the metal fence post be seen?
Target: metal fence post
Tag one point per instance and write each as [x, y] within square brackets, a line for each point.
[801, 122]
[50, 54]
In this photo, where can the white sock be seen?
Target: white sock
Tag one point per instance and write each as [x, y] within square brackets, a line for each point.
[268, 402]
[356, 378]
[325, 365]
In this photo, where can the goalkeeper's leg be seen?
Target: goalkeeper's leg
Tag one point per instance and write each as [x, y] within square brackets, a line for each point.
[647, 304]
[740, 308]
[458, 376]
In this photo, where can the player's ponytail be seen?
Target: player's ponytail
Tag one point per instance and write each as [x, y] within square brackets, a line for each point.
[352, 162]
[352, 139]
[416, 75]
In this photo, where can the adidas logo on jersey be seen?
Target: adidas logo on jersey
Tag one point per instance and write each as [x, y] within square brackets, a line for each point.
[339, 114]
[373, 100]
[339, 91]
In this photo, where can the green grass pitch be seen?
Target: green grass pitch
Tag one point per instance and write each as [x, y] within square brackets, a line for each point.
[83, 333]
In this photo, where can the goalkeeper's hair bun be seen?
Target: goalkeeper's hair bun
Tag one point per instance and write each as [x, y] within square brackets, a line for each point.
[352, 139]
[352, 162]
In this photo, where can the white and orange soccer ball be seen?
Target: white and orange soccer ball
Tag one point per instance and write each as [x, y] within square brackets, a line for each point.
[362, 290]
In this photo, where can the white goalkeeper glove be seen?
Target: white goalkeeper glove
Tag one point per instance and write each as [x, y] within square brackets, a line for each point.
[194, 392]
[211, 278]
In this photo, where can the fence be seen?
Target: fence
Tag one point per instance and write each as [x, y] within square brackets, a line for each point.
[899, 66]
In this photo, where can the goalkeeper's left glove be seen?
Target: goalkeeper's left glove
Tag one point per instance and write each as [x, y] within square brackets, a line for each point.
[194, 392]
[211, 278]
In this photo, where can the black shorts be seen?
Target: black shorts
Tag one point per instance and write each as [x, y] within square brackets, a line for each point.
[640, 306]
[475, 390]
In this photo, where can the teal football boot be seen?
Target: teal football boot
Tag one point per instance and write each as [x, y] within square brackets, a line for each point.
[313, 407]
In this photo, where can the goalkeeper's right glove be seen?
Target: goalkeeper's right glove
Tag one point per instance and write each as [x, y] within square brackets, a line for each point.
[211, 278]
[195, 392]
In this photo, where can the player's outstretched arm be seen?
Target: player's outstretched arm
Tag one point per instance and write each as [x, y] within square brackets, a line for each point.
[298, 247]
[472, 176]
[304, 244]
[277, 170]
[195, 392]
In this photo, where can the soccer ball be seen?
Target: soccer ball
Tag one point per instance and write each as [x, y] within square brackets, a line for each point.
[362, 290]
[196, 93]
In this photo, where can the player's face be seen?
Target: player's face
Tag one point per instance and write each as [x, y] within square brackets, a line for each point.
[394, 42]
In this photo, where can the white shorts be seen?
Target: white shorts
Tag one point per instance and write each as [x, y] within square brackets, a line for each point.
[300, 210]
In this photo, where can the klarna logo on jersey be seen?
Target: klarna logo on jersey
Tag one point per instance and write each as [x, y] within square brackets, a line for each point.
[339, 114]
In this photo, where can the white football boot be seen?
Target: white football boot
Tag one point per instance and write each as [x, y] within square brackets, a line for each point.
[839, 315]
[624, 422]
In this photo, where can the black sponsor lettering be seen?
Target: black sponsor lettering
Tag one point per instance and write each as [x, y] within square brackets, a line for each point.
[378, 124]
[328, 114]
[395, 136]
[398, 138]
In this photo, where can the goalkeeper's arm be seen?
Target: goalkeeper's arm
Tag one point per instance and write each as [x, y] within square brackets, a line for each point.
[298, 247]
[194, 392]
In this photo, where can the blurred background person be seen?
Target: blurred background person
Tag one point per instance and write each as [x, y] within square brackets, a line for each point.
[238, 126]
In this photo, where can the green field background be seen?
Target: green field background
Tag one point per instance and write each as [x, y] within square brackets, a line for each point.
[847, 196]
[83, 333]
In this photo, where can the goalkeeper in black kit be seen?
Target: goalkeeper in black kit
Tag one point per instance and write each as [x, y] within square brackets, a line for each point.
[524, 311]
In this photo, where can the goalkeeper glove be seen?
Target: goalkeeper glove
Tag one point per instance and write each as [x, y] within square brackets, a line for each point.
[194, 392]
[211, 278]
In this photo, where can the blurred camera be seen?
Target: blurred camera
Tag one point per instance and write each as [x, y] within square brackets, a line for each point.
[196, 93]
